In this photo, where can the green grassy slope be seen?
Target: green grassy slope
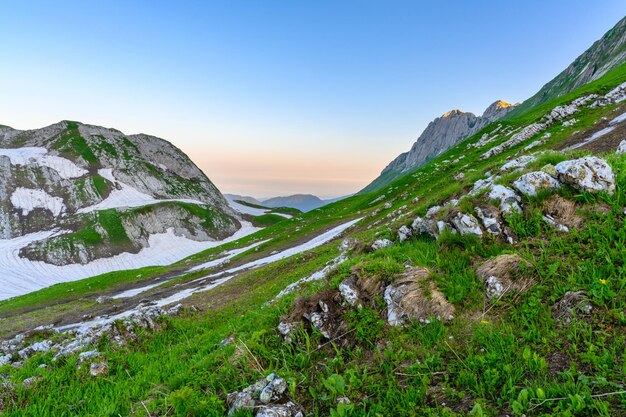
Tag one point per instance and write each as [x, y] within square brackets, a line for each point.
[509, 356]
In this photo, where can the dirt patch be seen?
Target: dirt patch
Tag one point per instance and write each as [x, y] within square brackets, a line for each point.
[608, 142]
[562, 211]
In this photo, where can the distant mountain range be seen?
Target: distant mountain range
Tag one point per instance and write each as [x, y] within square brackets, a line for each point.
[302, 202]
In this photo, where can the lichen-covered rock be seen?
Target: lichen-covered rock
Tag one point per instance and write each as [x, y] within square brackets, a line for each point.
[99, 369]
[489, 219]
[290, 409]
[517, 163]
[621, 149]
[466, 224]
[267, 397]
[381, 243]
[509, 200]
[533, 182]
[590, 174]
[349, 291]
[415, 297]
[404, 233]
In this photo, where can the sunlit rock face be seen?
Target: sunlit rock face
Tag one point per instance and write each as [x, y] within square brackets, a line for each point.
[440, 135]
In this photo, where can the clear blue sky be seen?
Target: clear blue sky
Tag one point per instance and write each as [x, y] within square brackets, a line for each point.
[277, 97]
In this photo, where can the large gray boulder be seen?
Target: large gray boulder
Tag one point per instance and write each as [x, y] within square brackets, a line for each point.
[533, 182]
[591, 174]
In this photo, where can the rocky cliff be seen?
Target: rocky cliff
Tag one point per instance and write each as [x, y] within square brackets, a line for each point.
[440, 135]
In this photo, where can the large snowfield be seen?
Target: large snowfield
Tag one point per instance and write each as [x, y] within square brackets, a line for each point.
[20, 276]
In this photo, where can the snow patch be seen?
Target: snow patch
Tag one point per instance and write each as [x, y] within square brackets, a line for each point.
[20, 276]
[28, 199]
[39, 156]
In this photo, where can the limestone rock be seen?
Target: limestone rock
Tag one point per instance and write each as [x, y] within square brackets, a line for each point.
[381, 243]
[99, 369]
[533, 182]
[517, 163]
[466, 224]
[509, 200]
[590, 174]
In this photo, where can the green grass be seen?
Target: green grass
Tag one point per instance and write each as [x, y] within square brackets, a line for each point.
[497, 357]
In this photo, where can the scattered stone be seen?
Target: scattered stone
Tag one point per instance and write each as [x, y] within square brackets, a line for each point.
[590, 174]
[621, 149]
[558, 226]
[349, 291]
[387, 205]
[103, 299]
[286, 330]
[533, 182]
[258, 396]
[561, 213]
[6, 359]
[466, 224]
[574, 304]
[29, 382]
[99, 369]
[381, 243]
[517, 163]
[88, 356]
[414, 296]
[509, 200]
[489, 217]
[42, 346]
[404, 233]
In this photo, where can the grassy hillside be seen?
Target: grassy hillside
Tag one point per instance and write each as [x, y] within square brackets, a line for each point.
[521, 353]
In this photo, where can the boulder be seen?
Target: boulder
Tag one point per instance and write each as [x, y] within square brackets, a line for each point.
[621, 149]
[404, 233]
[590, 174]
[533, 182]
[489, 218]
[381, 243]
[414, 297]
[509, 200]
[517, 163]
[466, 224]
[267, 397]
[349, 291]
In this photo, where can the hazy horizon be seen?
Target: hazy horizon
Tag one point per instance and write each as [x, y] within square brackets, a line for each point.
[278, 99]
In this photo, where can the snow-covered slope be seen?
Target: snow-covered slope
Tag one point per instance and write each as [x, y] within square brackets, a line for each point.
[78, 200]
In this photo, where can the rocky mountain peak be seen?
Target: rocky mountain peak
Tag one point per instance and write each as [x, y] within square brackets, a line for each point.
[454, 113]
[497, 110]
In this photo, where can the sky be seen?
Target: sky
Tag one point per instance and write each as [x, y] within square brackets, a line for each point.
[281, 97]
